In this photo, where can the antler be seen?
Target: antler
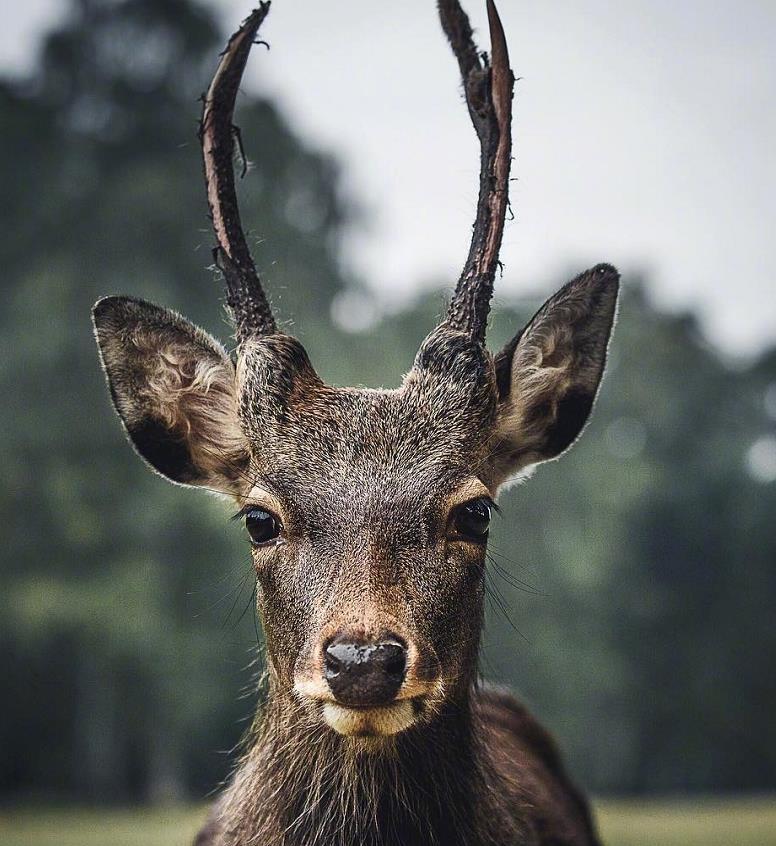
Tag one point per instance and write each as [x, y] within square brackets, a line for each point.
[245, 297]
[488, 90]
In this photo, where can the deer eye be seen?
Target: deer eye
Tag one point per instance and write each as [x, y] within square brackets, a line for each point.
[471, 520]
[261, 525]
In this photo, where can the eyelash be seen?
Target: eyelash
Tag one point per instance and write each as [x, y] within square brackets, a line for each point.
[491, 504]
[253, 506]
[239, 515]
[486, 499]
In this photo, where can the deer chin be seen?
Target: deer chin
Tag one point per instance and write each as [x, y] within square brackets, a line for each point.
[379, 722]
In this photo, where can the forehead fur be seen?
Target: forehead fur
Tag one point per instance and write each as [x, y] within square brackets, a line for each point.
[310, 436]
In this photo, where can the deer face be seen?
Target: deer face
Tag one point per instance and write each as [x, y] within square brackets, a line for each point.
[367, 511]
[371, 573]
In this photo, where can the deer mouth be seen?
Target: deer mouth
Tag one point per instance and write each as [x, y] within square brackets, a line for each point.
[371, 721]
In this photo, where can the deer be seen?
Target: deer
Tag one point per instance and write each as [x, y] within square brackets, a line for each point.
[368, 512]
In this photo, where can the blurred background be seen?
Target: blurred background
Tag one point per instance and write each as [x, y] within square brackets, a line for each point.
[632, 592]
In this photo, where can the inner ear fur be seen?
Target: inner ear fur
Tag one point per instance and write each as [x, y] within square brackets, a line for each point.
[174, 388]
[548, 375]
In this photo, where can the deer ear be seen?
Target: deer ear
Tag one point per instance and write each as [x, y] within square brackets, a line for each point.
[174, 389]
[548, 375]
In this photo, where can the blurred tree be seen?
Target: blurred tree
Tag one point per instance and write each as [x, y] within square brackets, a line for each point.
[649, 651]
[119, 690]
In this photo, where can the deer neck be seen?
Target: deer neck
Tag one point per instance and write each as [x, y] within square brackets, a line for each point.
[299, 784]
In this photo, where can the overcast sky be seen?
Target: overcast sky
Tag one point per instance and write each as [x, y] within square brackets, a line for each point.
[644, 135]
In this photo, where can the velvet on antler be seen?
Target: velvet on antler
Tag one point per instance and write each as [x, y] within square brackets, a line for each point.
[245, 296]
[488, 90]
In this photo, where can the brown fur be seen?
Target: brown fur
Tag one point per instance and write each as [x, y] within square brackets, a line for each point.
[492, 778]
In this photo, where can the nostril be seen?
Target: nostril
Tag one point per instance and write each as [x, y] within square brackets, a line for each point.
[340, 655]
[392, 657]
[331, 661]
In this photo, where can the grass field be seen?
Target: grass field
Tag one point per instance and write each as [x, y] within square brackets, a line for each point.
[713, 822]
[710, 822]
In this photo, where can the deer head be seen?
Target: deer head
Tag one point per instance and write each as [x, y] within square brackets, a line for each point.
[367, 510]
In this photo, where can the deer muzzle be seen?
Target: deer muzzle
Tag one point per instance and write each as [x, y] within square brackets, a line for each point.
[369, 681]
[365, 673]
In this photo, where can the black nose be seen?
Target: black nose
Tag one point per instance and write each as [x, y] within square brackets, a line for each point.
[365, 673]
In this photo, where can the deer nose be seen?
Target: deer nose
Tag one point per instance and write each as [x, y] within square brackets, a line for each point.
[363, 673]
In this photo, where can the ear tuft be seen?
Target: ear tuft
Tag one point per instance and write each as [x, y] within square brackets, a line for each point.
[548, 375]
[174, 388]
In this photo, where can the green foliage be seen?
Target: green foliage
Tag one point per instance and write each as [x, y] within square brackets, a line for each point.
[117, 616]
[637, 574]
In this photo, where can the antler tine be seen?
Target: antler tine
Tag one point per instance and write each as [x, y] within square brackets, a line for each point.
[488, 90]
[246, 299]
